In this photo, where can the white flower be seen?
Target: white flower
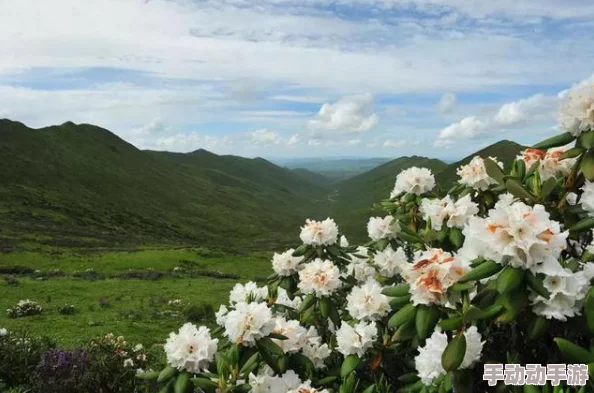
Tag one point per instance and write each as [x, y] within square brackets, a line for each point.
[413, 180]
[382, 228]
[428, 361]
[551, 165]
[454, 214]
[319, 233]
[248, 323]
[367, 301]
[3, 332]
[576, 114]
[221, 315]
[343, 241]
[359, 268]
[242, 293]
[128, 363]
[390, 262]
[432, 273]
[314, 349]
[566, 295]
[357, 339]
[282, 298]
[587, 199]
[306, 387]
[294, 332]
[474, 347]
[319, 277]
[260, 383]
[285, 264]
[285, 383]
[138, 348]
[571, 198]
[192, 349]
[518, 235]
[475, 175]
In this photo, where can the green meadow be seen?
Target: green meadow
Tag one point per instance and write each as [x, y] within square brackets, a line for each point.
[123, 292]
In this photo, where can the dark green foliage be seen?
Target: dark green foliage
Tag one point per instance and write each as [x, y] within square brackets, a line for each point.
[80, 185]
[19, 355]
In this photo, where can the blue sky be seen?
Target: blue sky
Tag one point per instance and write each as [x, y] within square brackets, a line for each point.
[288, 78]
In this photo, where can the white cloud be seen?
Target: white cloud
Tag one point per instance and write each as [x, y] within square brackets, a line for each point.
[523, 110]
[353, 142]
[447, 103]
[186, 142]
[265, 137]
[467, 128]
[398, 143]
[293, 140]
[350, 114]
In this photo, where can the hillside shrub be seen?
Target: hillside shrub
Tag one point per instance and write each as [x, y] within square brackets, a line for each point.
[24, 308]
[498, 269]
[20, 352]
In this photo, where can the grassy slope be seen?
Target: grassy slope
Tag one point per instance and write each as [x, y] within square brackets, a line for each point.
[506, 151]
[82, 185]
[133, 304]
[355, 197]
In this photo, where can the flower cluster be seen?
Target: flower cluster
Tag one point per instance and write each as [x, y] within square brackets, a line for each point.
[474, 174]
[550, 163]
[25, 308]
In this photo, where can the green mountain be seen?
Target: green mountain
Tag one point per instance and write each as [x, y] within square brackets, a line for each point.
[334, 169]
[355, 197]
[506, 151]
[81, 185]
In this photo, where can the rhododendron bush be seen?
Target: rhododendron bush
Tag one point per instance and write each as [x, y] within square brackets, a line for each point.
[498, 269]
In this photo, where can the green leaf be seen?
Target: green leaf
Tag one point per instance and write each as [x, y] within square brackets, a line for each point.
[409, 378]
[574, 353]
[583, 225]
[493, 170]
[453, 355]
[307, 302]
[397, 290]
[456, 237]
[518, 190]
[490, 311]
[589, 309]
[484, 270]
[531, 389]
[397, 302]
[242, 388]
[425, 321]
[301, 250]
[205, 384]
[266, 344]
[369, 389]
[536, 284]
[548, 187]
[457, 287]
[587, 139]
[537, 327]
[326, 380]
[587, 165]
[573, 152]
[519, 169]
[166, 374]
[168, 386]
[182, 385]
[509, 279]
[149, 376]
[402, 316]
[249, 363]
[405, 332]
[349, 364]
[450, 324]
[556, 141]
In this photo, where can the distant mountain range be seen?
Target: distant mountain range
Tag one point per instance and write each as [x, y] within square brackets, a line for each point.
[334, 169]
[82, 186]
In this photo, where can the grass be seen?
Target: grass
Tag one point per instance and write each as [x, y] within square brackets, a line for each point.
[134, 308]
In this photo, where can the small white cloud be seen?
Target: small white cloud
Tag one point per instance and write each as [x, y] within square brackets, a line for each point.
[467, 128]
[314, 142]
[350, 114]
[522, 110]
[398, 144]
[293, 140]
[353, 142]
[447, 103]
[186, 142]
[265, 137]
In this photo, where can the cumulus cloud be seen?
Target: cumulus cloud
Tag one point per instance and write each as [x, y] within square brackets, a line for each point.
[520, 111]
[467, 128]
[265, 137]
[398, 143]
[350, 114]
[293, 140]
[447, 103]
